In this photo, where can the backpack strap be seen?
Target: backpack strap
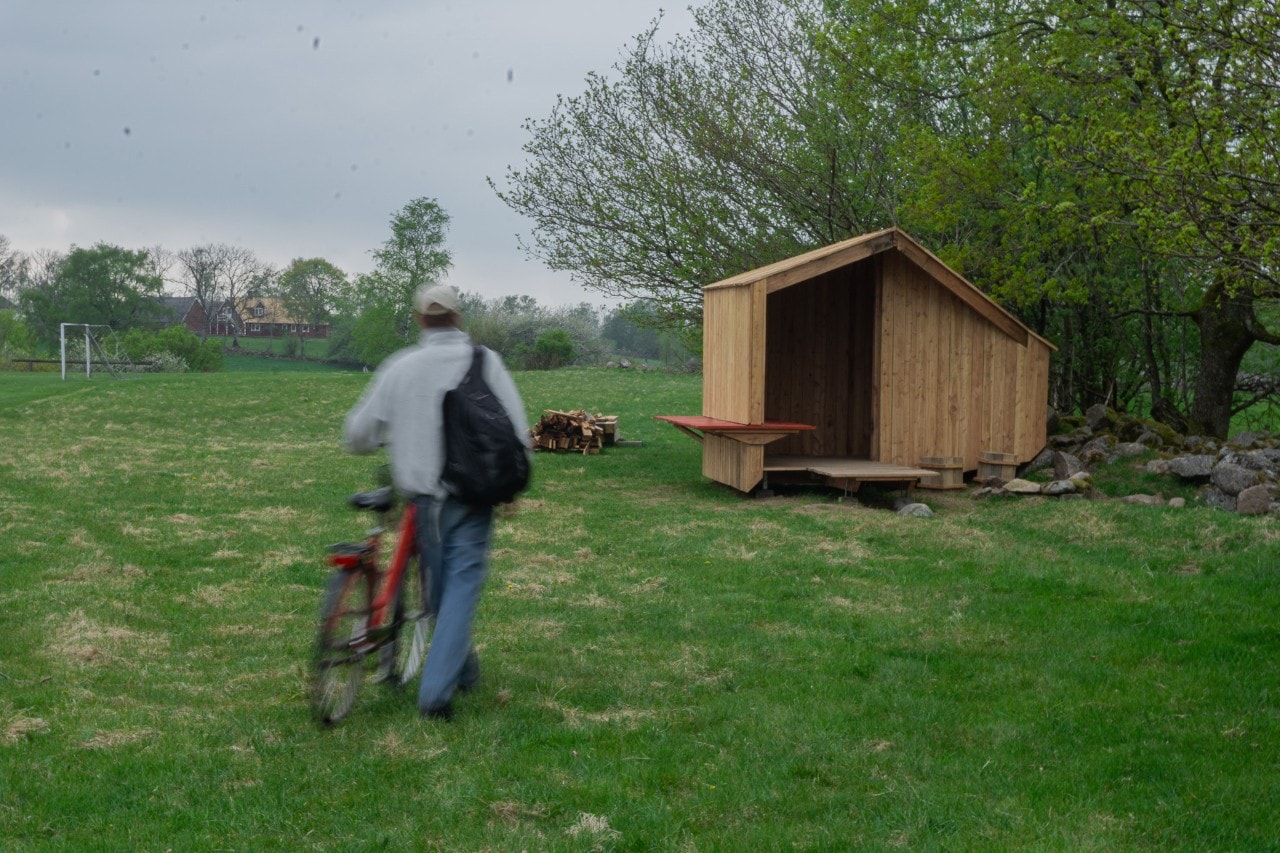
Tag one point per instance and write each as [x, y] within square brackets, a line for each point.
[476, 370]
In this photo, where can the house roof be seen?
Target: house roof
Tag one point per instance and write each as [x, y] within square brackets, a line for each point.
[800, 268]
[179, 306]
[273, 310]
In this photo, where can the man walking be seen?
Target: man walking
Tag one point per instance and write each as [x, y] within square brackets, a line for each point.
[402, 409]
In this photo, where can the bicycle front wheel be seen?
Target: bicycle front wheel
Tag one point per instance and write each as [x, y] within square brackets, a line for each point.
[412, 630]
[342, 645]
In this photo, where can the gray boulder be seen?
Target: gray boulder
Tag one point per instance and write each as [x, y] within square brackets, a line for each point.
[1255, 460]
[1044, 459]
[1148, 439]
[1052, 421]
[1103, 443]
[1060, 487]
[1233, 479]
[1218, 499]
[1197, 467]
[1254, 500]
[915, 510]
[1065, 465]
[1099, 417]
[1143, 500]
[1249, 439]
[1022, 487]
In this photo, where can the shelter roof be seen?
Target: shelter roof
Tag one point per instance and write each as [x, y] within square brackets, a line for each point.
[809, 265]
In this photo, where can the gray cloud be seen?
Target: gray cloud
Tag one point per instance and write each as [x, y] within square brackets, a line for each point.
[293, 128]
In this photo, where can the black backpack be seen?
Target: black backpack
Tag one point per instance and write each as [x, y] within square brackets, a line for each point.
[486, 463]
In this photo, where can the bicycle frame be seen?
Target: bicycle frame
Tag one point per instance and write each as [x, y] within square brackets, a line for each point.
[367, 557]
[370, 606]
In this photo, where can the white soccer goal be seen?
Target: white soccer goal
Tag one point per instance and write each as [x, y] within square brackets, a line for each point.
[101, 346]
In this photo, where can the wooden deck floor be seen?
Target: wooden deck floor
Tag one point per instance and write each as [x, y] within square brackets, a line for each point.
[863, 470]
[846, 471]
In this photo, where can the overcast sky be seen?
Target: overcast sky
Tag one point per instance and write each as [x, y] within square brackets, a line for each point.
[294, 128]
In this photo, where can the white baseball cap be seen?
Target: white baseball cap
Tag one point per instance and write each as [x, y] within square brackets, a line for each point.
[436, 299]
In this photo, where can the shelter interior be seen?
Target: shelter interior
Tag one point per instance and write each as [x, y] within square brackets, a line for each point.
[820, 360]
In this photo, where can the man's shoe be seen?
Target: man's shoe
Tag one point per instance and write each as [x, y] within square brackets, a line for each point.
[443, 713]
[470, 678]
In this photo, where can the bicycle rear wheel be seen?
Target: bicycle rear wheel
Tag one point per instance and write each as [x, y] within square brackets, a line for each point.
[342, 645]
[412, 630]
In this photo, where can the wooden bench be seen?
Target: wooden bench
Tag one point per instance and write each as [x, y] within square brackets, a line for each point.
[846, 473]
[32, 362]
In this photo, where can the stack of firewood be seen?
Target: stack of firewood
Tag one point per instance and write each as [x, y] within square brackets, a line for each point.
[578, 431]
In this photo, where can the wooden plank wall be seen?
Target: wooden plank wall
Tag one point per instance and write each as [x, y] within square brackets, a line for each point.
[951, 383]
[1033, 395]
[732, 462]
[821, 337]
[733, 353]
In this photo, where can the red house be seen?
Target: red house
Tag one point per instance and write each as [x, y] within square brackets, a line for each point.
[184, 311]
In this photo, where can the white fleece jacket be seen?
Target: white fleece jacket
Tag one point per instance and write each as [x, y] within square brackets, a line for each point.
[401, 408]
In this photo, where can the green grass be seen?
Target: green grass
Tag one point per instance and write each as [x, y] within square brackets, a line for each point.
[668, 666]
[243, 363]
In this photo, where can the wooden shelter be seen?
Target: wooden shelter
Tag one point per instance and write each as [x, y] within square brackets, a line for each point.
[866, 360]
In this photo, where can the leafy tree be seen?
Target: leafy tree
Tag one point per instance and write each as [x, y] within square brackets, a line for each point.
[969, 97]
[1110, 168]
[379, 330]
[718, 153]
[310, 289]
[15, 337]
[414, 254]
[105, 285]
[1183, 101]
[634, 330]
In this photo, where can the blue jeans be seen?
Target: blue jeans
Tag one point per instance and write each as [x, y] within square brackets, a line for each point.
[453, 545]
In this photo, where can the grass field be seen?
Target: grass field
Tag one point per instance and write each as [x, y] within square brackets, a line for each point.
[668, 666]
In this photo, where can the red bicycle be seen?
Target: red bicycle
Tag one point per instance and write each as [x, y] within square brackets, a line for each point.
[367, 609]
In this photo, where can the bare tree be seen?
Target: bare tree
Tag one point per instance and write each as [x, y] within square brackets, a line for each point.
[10, 259]
[39, 269]
[200, 270]
[242, 272]
[220, 276]
[161, 261]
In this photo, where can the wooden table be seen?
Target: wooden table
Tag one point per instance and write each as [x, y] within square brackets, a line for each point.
[762, 433]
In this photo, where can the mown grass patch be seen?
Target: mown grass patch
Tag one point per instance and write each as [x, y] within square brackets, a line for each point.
[667, 664]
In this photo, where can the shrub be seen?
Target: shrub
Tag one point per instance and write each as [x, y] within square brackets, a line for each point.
[166, 362]
[202, 356]
[15, 337]
[553, 348]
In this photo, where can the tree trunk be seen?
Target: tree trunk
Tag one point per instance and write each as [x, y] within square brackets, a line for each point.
[1227, 331]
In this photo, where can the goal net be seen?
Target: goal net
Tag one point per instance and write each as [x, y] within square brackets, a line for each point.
[94, 346]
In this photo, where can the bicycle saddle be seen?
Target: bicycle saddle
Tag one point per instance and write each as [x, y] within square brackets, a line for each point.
[378, 500]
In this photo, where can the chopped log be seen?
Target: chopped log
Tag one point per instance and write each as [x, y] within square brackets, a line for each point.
[577, 430]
